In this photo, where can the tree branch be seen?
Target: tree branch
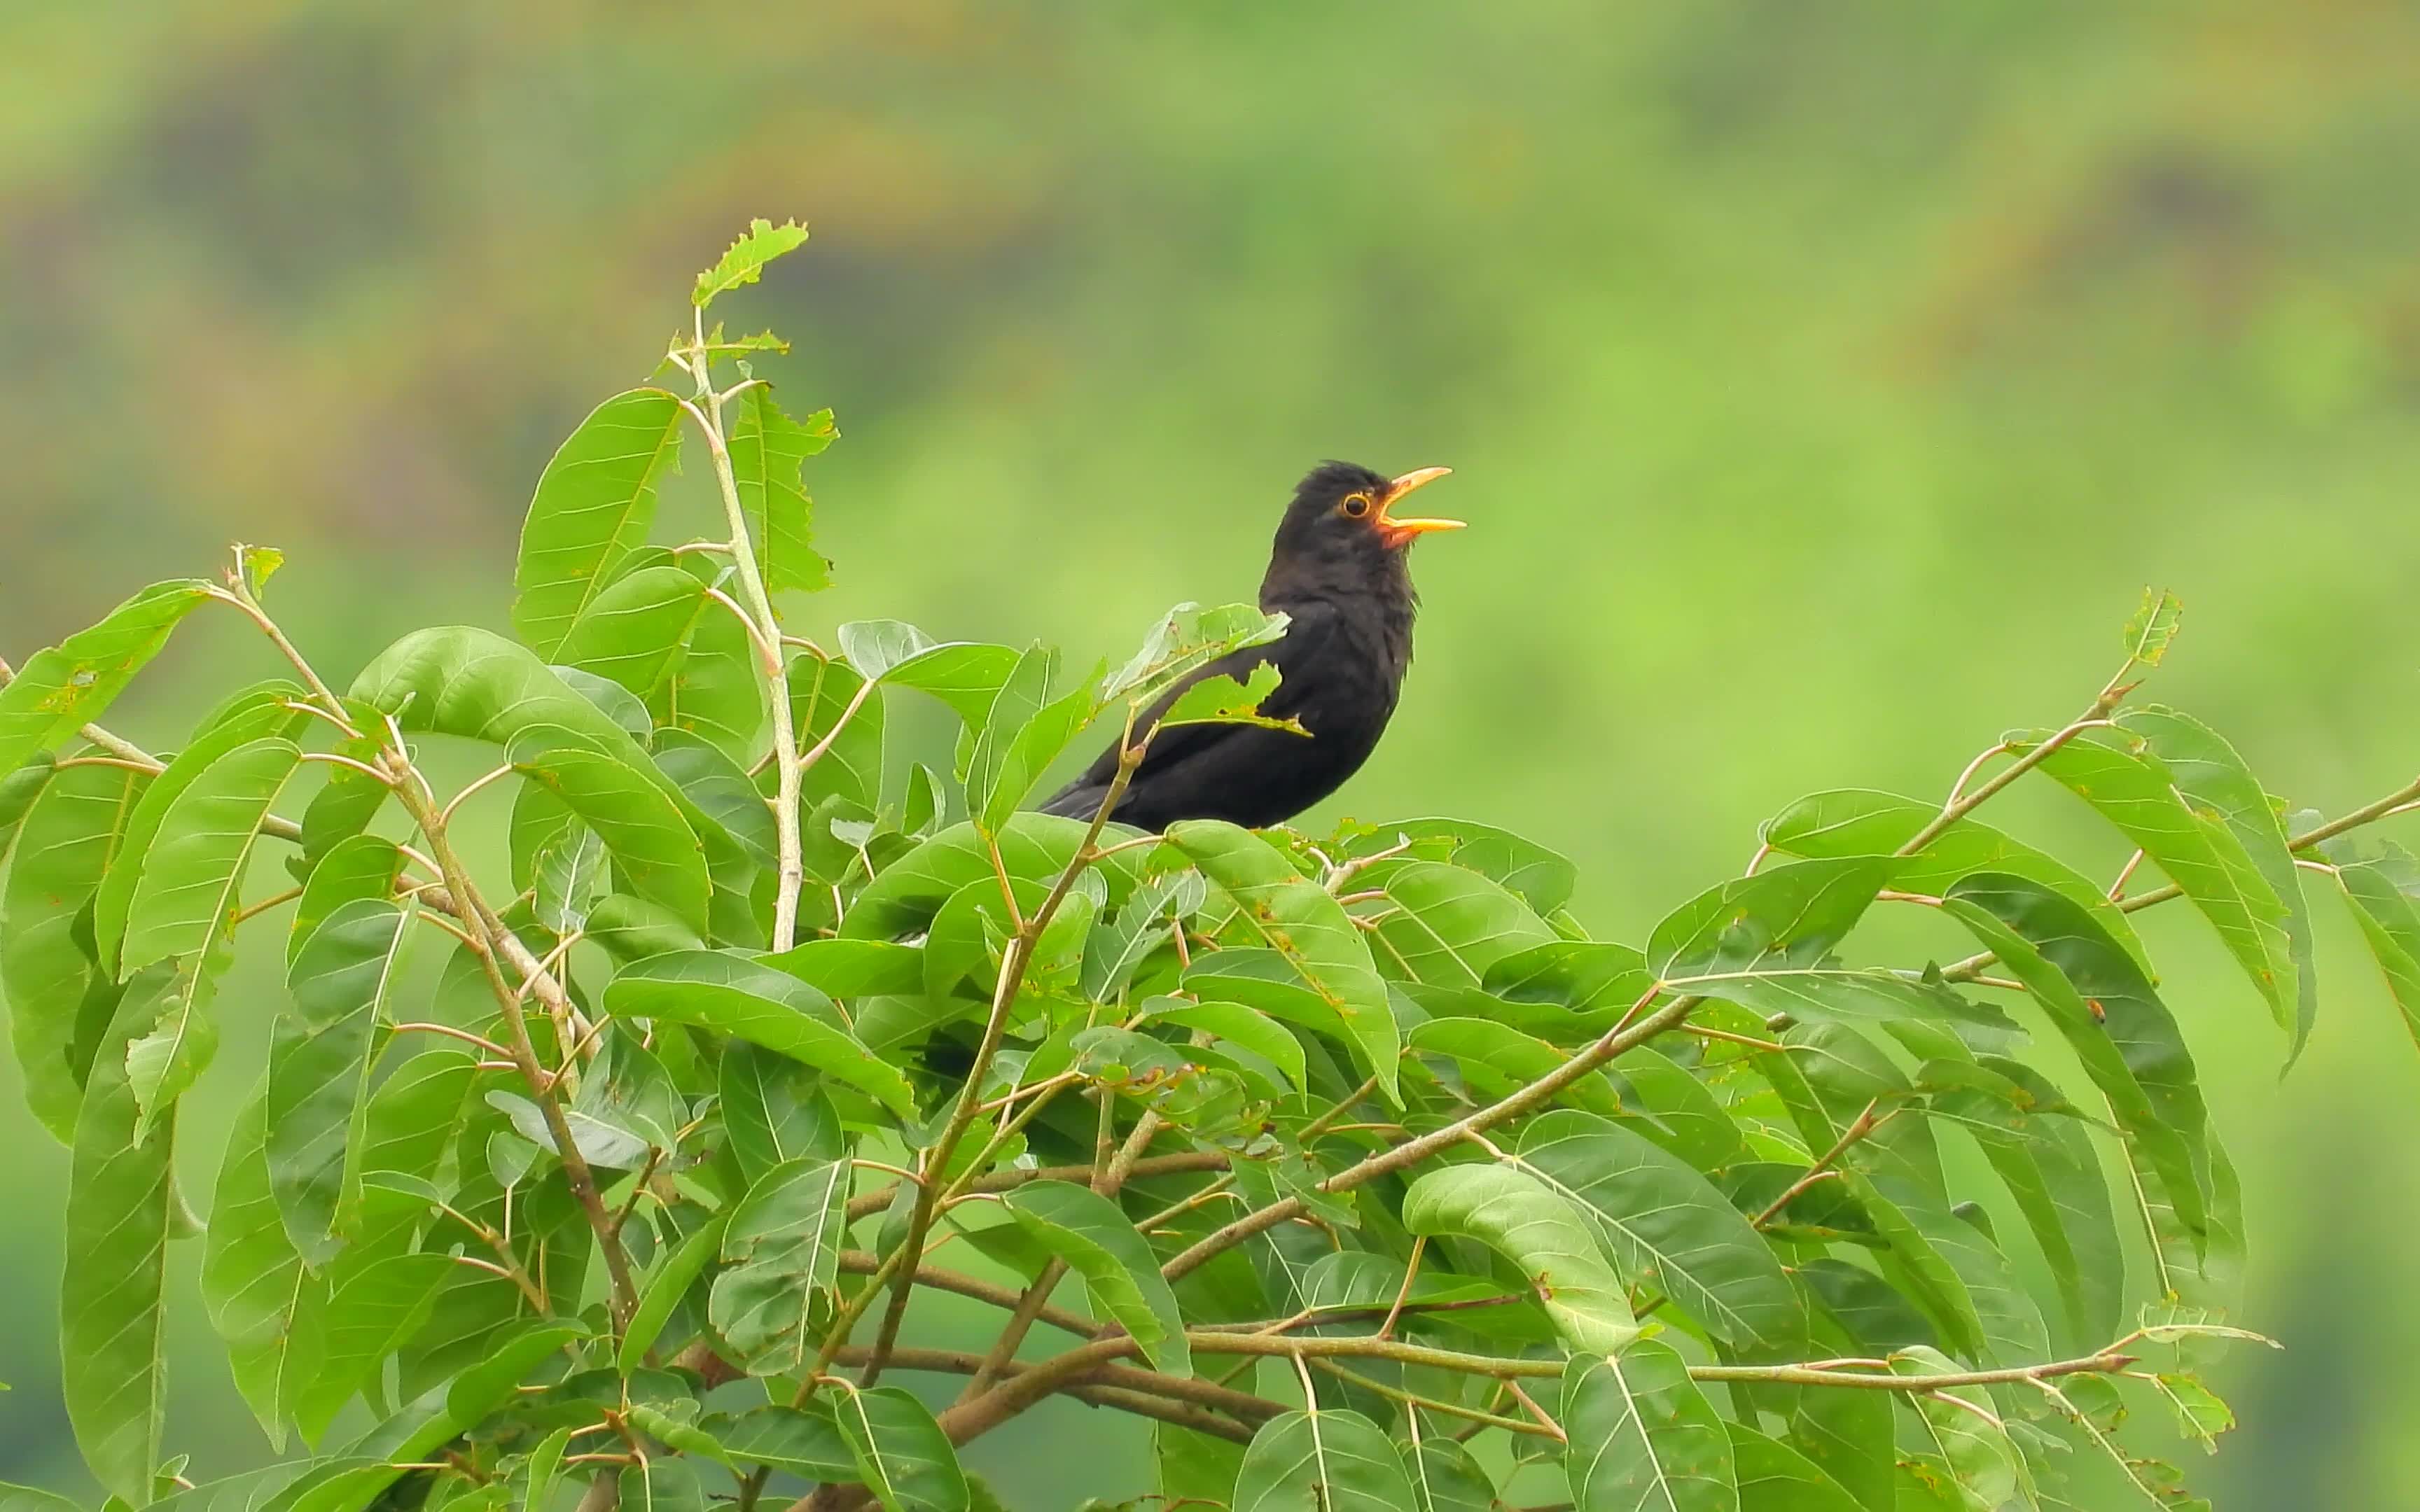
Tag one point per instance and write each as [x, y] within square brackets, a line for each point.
[764, 632]
[1012, 976]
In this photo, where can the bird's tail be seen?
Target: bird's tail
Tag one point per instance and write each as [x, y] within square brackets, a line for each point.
[1076, 800]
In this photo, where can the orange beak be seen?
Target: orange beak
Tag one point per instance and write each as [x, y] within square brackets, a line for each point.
[1401, 532]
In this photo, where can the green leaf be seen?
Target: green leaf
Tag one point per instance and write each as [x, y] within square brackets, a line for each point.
[18, 791]
[1296, 918]
[1247, 1026]
[853, 968]
[1223, 700]
[193, 875]
[1522, 1218]
[2130, 1047]
[595, 504]
[823, 694]
[966, 675]
[662, 1483]
[629, 1087]
[121, 1198]
[1774, 1477]
[566, 875]
[2214, 780]
[2047, 1163]
[773, 1110]
[629, 929]
[665, 1286]
[599, 1140]
[1644, 1437]
[731, 994]
[256, 714]
[1669, 1104]
[544, 1468]
[345, 804]
[2152, 628]
[1446, 1478]
[62, 687]
[1119, 944]
[319, 1061]
[1090, 1232]
[657, 854]
[1322, 1461]
[1781, 918]
[371, 1310]
[781, 1256]
[1496, 1060]
[1667, 1226]
[2200, 1415]
[2133, 788]
[1964, 1282]
[716, 689]
[874, 647]
[901, 1455]
[1027, 755]
[505, 1365]
[356, 867]
[2382, 892]
[1846, 1435]
[261, 1300]
[1969, 1439]
[1593, 984]
[1849, 822]
[1194, 1464]
[745, 261]
[456, 680]
[634, 631]
[1450, 925]
[768, 450]
[806, 1443]
[1542, 878]
[719, 786]
[27, 1499]
[1033, 847]
[1002, 755]
[1184, 641]
[162, 1065]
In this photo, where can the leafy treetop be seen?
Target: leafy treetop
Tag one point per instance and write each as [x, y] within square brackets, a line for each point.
[1384, 1182]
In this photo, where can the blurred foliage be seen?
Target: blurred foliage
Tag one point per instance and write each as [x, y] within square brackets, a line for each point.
[1821, 382]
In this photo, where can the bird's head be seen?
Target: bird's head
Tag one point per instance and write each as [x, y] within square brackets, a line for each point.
[1342, 526]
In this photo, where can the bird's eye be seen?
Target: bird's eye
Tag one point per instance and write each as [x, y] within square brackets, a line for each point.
[1356, 505]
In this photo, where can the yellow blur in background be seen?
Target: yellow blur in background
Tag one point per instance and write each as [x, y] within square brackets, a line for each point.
[1823, 382]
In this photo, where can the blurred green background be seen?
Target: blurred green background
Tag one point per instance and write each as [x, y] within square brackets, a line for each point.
[1823, 382]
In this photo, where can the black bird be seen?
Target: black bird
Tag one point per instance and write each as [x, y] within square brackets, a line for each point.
[1337, 570]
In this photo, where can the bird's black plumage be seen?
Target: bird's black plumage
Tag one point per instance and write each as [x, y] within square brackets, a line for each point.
[1337, 570]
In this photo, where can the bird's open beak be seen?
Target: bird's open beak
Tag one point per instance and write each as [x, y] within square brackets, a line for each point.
[1400, 533]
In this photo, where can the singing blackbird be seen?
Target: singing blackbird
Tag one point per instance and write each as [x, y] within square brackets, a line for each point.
[1337, 570]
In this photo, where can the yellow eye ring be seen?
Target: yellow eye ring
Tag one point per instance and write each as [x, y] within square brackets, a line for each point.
[1356, 504]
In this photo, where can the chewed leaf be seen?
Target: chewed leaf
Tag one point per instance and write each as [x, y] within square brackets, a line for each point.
[2153, 629]
[1221, 699]
[767, 450]
[60, 688]
[1187, 640]
[744, 262]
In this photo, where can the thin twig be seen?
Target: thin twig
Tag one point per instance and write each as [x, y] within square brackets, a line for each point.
[1863, 1124]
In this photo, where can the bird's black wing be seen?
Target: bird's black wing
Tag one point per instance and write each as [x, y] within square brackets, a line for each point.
[1305, 636]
